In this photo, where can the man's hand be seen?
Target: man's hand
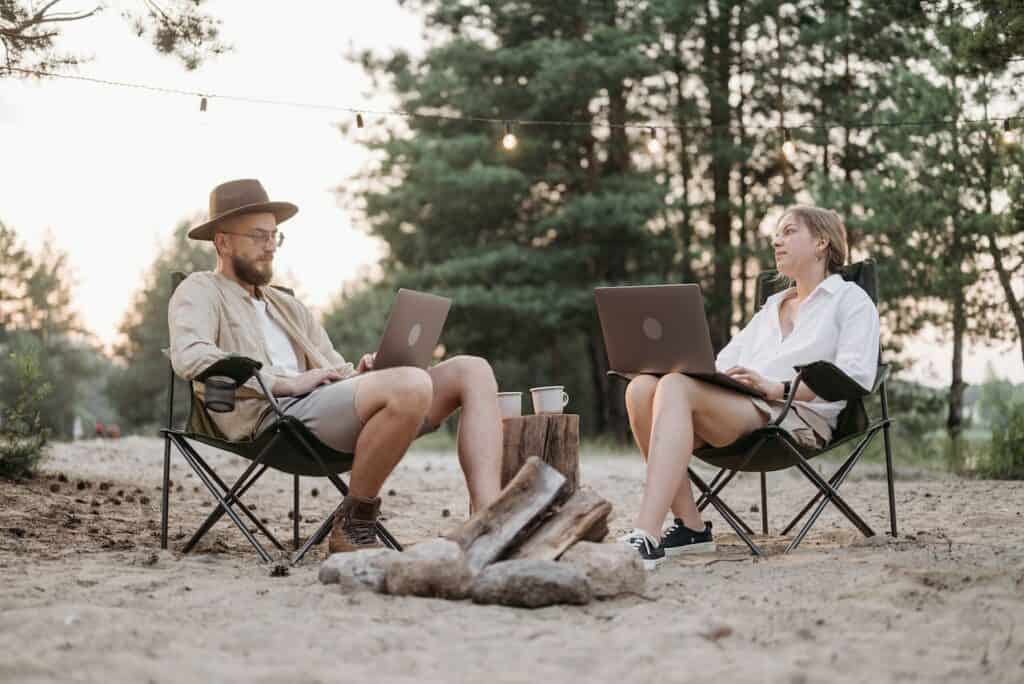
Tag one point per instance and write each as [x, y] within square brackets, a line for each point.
[366, 363]
[770, 388]
[303, 383]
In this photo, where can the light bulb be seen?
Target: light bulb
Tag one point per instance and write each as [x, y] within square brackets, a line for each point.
[789, 148]
[1009, 135]
[510, 141]
[653, 144]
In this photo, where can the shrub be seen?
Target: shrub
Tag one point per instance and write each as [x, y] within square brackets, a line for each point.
[23, 438]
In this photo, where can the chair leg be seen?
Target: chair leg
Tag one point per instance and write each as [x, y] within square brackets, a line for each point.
[836, 482]
[702, 500]
[208, 483]
[234, 496]
[889, 479]
[764, 504]
[317, 537]
[730, 518]
[165, 497]
[295, 520]
[832, 495]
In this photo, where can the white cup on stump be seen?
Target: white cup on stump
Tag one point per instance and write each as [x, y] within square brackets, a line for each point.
[551, 399]
[511, 404]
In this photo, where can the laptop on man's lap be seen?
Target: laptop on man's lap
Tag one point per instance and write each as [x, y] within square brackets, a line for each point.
[660, 329]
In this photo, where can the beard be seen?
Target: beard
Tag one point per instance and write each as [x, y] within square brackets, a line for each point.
[252, 272]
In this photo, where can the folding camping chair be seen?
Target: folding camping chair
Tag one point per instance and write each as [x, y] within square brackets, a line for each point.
[287, 446]
[771, 448]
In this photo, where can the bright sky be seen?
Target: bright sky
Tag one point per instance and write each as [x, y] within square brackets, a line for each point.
[108, 172]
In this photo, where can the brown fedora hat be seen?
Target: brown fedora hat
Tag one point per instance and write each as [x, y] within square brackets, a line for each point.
[244, 196]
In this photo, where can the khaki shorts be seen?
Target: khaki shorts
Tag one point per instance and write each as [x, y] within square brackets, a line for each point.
[805, 425]
[329, 412]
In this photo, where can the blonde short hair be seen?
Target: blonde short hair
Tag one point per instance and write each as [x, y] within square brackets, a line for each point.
[826, 224]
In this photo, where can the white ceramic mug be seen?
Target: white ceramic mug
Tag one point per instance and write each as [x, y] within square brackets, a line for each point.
[550, 399]
[511, 404]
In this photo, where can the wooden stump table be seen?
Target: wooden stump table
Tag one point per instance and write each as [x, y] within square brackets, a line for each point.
[554, 438]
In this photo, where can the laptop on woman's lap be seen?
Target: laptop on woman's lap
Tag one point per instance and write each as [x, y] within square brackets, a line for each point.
[660, 329]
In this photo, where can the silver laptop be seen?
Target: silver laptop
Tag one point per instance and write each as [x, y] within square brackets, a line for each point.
[413, 330]
[660, 329]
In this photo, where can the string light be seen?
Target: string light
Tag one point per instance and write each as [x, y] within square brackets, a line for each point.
[509, 141]
[1009, 135]
[653, 144]
[788, 146]
[359, 120]
[202, 104]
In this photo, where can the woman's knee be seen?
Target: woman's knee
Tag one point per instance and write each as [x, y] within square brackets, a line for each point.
[678, 385]
[640, 391]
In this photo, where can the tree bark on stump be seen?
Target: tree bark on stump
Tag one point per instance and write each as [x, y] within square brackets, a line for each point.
[554, 438]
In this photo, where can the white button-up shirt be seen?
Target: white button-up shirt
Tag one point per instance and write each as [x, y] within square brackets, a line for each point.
[838, 322]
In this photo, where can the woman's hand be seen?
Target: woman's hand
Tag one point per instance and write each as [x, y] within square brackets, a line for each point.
[770, 388]
[366, 363]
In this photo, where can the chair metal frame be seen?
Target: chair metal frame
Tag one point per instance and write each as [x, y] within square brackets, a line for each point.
[287, 436]
[830, 383]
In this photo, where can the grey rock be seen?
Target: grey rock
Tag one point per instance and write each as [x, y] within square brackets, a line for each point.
[358, 570]
[531, 584]
[435, 568]
[611, 569]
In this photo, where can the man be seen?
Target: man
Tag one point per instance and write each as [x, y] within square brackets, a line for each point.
[373, 414]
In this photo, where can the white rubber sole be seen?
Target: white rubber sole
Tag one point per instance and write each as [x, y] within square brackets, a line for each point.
[703, 547]
[652, 563]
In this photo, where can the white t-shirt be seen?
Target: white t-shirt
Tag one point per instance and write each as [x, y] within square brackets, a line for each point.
[838, 322]
[279, 347]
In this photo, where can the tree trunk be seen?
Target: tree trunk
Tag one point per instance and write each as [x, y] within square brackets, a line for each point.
[718, 60]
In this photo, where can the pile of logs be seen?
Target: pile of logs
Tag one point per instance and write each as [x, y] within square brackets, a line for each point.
[536, 545]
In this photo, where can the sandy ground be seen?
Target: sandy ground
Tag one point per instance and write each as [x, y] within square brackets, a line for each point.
[86, 594]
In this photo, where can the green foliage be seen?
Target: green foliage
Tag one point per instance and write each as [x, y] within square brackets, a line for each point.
[1001, 407]
[23, 389]
[35, 301]
[138, 388]
[30, 32]
[1006, 452]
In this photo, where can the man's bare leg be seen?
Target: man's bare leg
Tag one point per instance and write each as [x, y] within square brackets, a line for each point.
[468, 381]
[391, 403]
[683, 407]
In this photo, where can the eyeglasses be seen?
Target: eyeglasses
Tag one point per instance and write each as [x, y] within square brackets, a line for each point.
[261, 237]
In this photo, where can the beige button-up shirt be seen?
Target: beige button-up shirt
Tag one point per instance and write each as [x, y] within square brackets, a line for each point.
[211, 316]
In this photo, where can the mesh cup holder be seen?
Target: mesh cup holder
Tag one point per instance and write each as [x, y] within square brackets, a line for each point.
[219, 394]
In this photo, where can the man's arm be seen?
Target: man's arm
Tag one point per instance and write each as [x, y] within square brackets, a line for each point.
[194, 323]
[316, 333]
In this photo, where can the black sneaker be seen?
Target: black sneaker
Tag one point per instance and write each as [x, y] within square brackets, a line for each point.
[647, 546]
[680, 539]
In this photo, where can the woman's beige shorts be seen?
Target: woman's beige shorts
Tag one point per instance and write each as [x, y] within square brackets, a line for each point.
[329, 412]
[806, 426]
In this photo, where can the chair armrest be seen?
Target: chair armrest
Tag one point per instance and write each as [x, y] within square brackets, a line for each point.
[238, 368]
[222, 380]
[831, 384]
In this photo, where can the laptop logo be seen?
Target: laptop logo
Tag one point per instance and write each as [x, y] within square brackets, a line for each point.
[414, 334]
[652, 328]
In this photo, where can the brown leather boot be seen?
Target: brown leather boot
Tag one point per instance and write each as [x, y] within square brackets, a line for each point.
[355, 525]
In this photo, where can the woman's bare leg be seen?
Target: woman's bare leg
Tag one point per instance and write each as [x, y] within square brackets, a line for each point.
[640, 407]
[682, 407]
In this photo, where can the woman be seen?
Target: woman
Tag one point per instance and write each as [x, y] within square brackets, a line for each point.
[820, 317]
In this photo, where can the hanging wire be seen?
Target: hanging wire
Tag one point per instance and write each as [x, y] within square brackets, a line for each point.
[649, 125]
